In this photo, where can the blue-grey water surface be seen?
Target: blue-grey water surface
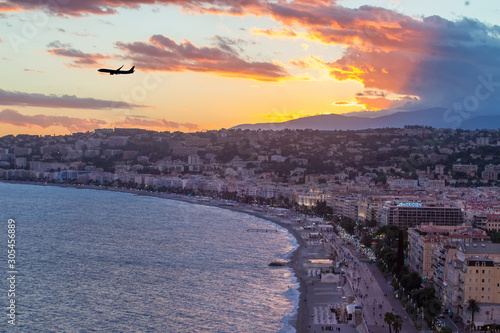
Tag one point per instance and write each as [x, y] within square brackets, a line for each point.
[101, 261]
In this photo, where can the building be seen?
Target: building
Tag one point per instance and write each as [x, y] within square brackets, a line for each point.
[482, 141]
[402, 183]
[445, 253]
[491, 172]
[493, 222]
[465, 168]
[21, 162]
[410, 214]
[22, 151]
[311, 197]
[481, 277]
[475, 273]
[460, 261]
[431, 247]
[439, 169]
[345, 206]
[421, 248]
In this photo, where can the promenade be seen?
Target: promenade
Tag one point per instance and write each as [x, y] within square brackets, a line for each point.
[372, 290]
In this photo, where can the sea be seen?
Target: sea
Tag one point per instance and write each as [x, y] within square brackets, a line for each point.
[103, 261]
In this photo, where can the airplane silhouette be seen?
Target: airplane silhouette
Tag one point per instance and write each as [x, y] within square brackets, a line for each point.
[116, 71]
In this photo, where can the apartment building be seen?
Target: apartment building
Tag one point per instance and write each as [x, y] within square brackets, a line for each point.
[475, 273]
[432, 249]
[421, 248]
[493, 222]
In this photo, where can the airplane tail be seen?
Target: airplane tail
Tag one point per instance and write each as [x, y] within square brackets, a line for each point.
[132, 69]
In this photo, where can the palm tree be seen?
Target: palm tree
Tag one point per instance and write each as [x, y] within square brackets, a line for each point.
[389, 319]
[397, 323]
[473, 307]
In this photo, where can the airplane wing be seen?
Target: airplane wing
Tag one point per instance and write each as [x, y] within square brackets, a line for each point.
[119, 69]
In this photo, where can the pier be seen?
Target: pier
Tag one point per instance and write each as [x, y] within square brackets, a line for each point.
[262, 230]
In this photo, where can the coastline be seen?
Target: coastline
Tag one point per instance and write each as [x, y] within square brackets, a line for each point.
[297, 257]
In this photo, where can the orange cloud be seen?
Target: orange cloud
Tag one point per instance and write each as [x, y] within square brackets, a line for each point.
[389, 71]
[159, 124]
[343, 103]
[13, 117]
[310, 62]
[164, 54]
[82, 59]
[109, 7]
[65, 101]
[283, 32]
[373, 101]
[379, 103]
[9, 7]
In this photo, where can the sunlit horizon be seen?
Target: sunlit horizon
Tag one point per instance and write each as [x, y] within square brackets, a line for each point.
[203, 66]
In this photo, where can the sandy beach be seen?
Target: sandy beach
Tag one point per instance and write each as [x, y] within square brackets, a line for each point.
[298, 260]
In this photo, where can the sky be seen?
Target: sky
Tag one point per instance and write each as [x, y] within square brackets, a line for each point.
[212, 64]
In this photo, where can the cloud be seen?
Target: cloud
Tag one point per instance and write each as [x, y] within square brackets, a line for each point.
[82, 59]
[9, 6]
[364, 27]
[372, 93]
[58, 44]
[161, 124]
[85, 34]
[310, 62]
[378, 103]
[282, 32]
[109, 7]
[32, 70]
[64, 101]
[228, 44]
[437, 60]
[13, 117]
[164, 54]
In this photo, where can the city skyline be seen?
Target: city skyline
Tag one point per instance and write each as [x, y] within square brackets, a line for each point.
[204, 65]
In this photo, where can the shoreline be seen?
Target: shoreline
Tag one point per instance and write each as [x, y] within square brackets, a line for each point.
[301, 322]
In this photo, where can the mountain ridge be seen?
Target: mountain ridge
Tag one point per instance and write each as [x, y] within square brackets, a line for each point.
[434, 117]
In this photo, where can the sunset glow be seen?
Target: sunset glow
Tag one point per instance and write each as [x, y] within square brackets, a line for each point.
[204, 65]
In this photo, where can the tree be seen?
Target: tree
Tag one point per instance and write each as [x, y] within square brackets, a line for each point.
[389, 320]
[473, 307]
[367, 240]
[397, 323]
[446, 330]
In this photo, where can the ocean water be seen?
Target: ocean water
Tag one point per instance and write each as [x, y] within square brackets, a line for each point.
[100, 261]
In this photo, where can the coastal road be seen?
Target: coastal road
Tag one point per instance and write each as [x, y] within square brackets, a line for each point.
[372, 291]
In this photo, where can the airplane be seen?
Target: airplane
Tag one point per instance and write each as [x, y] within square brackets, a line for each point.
[116, 71]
